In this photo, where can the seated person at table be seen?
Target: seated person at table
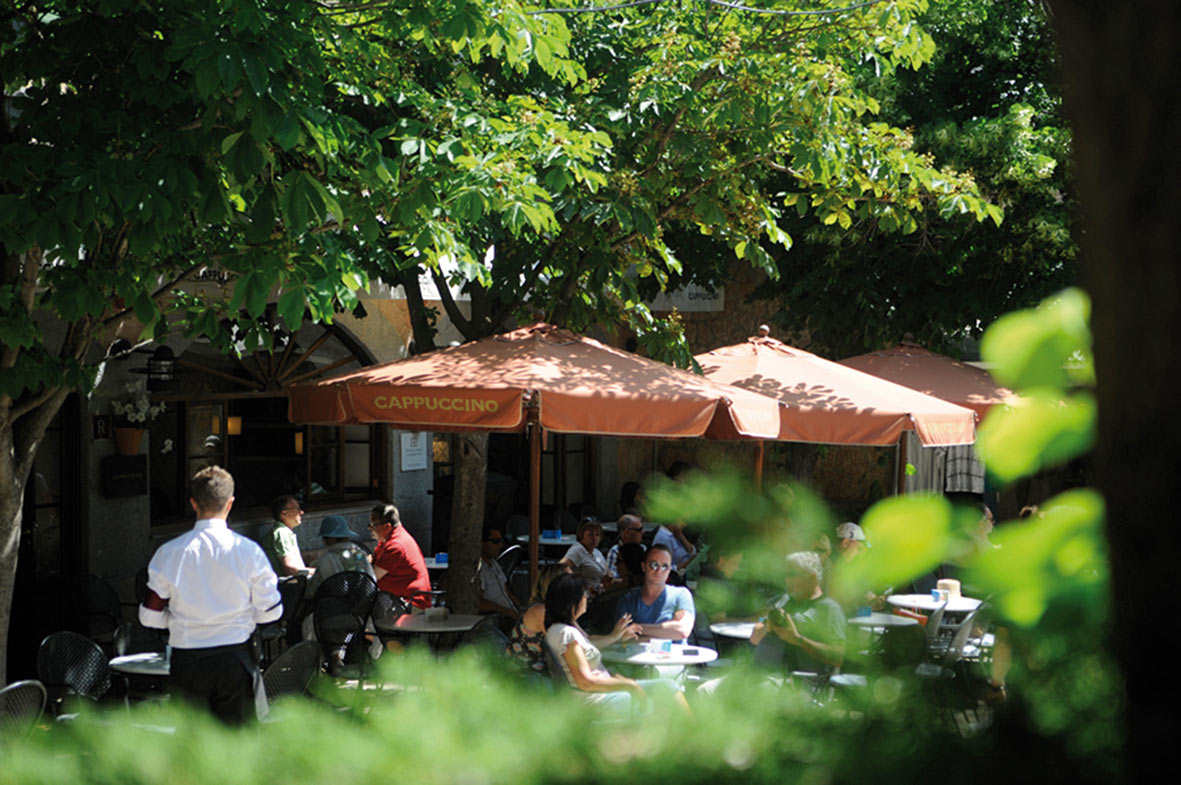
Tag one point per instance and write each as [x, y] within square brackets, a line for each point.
[279, 542]
[662, 611]
[579, 655]
[585, 556]
[397, 560]
[851, 543]
[630, 566]
[528, 635]
[340, 552]
[495, 595]
[631, 530]
[807, 632]
[674, 539]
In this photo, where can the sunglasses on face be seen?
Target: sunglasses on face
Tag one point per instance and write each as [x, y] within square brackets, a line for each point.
[495, 540]
[655, 565]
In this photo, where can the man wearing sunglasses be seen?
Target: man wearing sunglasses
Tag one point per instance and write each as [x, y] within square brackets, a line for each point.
[662, 611]
[495, 595]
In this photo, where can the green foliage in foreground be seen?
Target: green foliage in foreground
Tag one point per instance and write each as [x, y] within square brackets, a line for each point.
[456, 720]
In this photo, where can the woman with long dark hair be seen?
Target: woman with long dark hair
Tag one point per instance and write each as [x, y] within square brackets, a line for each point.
[579, 655]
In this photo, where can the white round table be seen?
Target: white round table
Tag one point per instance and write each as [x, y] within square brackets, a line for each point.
[876, 620]
[419, 624]
[652, 653]
[733, 629]
[926, 602]
[148, 663]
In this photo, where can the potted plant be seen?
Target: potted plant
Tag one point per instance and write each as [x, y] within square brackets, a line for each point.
[132, 414]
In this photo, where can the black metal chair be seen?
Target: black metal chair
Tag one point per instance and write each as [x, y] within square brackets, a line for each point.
[21, 705]
[509, 558]
[70, 664]
[96, 611]
[387, 609]
[341, 635]
[556, 674]
[291, 591]
[516, 528]
[486, 633]
[356, 589]
[292, 671]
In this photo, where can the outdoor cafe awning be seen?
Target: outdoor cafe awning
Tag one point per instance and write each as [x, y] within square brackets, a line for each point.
[913, 366]
[825, 402]
[542, 374]
[577, 384]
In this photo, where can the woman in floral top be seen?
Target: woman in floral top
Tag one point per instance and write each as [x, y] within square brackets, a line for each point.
[525, 639]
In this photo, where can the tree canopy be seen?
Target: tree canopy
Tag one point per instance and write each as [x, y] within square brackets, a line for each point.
[547, 161]
[987, 104]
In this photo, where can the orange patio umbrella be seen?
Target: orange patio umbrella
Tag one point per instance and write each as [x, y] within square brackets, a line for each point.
[913, 366]
[543, 377]
[825, 402]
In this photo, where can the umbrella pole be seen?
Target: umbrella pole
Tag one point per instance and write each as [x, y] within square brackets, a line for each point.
[759, 449]
[534, 498]
[902, 463]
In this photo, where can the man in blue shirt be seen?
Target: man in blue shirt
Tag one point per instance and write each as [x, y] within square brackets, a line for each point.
[662, 611]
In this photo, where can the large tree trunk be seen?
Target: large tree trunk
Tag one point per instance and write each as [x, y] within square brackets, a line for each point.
[470, 462]
[19, 441]
[1120, 70]
[10, 528]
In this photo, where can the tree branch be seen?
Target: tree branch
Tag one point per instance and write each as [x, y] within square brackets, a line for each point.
[457, 318]
[156, 294]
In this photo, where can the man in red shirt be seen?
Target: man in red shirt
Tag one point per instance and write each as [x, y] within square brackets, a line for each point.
[397, 559]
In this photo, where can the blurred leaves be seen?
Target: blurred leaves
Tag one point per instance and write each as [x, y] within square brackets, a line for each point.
[1047, 346]
[1059, 553]
[910, 537]
[1042, 429]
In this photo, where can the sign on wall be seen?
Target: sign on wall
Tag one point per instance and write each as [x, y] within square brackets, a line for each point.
[414, 447]
[691, 298]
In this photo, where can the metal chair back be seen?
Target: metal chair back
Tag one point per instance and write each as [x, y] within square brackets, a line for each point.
[356, 589]
[96, 611]
[21, 705]
[387, 609]
[72, 664]
[487, 632]
[509, 558]
[341, 634]
[292, 671]
[556, 674]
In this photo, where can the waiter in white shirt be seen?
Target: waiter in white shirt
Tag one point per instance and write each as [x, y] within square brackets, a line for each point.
[209, 588]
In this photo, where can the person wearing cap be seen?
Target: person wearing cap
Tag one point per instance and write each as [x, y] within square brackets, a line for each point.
[851, 543]
[340, 554]
[850, 540]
